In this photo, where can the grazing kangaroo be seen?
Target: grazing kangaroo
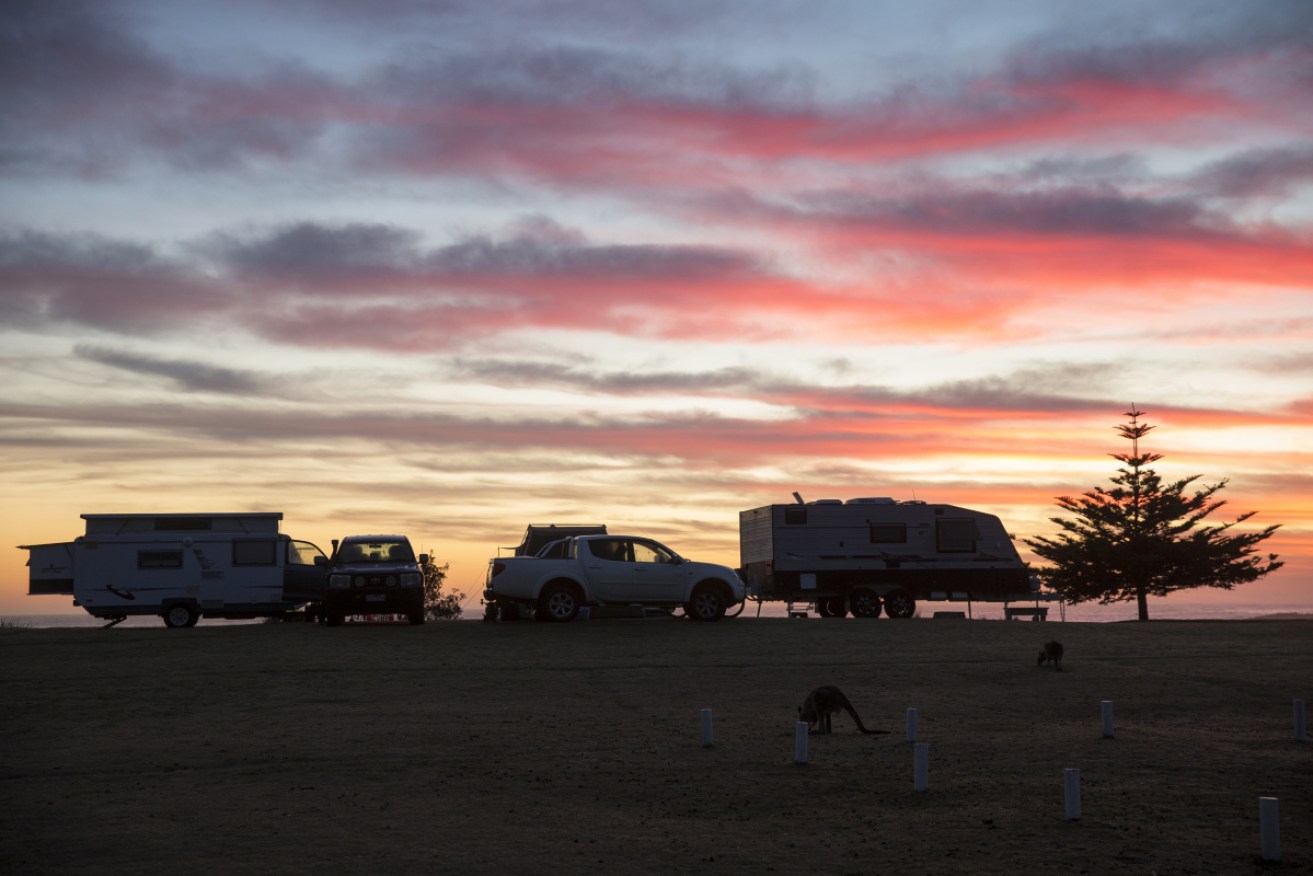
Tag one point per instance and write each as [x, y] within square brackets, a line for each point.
[822, 703]
[1051, 653]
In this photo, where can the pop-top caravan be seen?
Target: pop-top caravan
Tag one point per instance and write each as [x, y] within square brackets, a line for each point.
[181, 567]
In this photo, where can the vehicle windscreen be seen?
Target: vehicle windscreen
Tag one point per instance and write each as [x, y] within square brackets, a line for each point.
[375, 552]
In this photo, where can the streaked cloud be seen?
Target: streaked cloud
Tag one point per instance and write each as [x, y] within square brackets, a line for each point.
[452, 267]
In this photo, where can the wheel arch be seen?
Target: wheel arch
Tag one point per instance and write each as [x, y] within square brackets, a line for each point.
[579, 587]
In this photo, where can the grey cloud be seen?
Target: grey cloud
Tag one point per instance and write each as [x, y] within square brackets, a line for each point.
[92, 280]
[188, 375]
[360, 285]
[84, 94]
[1042, 387]
[1099, 211]
[312, 251]
[585, 376]
[1267, 172]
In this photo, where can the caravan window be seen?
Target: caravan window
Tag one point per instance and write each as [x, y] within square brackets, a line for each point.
[888, 533]
[796, 515]
[956, 536]
[159, 559]
[251, 552]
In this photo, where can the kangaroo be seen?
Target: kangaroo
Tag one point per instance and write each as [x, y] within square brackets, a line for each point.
[822, 703]
[1051, 653]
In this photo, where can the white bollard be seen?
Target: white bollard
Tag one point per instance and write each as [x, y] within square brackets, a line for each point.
[1107, 719]
[1301, 722]
[921, 766]
[1071, 793]
[1269, 827]
[911, 725]
[800, 742]
[706, 728]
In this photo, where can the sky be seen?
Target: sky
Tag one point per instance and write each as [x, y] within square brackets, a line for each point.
[451, 268]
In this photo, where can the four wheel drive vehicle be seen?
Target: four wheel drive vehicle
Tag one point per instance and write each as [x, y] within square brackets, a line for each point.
[374, 574]
[610, 570]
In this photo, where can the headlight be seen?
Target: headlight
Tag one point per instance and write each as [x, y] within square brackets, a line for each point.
[411, 580]
[339, 581]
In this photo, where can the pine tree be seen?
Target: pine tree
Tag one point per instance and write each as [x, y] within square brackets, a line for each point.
[1142, 537]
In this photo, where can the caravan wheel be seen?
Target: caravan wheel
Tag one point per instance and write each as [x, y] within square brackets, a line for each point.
[899, 604]
[864, 603]
[832, 607]
[179, 616]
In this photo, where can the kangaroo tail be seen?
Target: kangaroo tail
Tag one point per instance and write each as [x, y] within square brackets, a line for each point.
[860, 725]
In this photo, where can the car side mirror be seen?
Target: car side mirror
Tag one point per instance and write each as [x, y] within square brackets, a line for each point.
[423, 559]
[321, 560]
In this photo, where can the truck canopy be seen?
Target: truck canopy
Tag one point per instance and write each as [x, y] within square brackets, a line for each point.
[537, 535]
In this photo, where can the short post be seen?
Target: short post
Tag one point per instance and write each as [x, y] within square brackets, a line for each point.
[1107, 719]
[911, 725]
[800, 742]
[1269, 827]
[706, 728]
[1301, 722]
[1071, 793]
[921, 766]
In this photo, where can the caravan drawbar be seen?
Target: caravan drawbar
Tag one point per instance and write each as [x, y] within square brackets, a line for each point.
[862, 555]
[180, 567]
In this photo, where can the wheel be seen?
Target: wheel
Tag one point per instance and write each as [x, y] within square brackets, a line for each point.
[416, 618]
[707, 603]
[333, 618]
[558, 603]
[864, 602]
[899, 604]
[832, 607]
[180, 615]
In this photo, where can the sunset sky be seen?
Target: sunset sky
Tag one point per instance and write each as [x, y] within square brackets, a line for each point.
[451, 268]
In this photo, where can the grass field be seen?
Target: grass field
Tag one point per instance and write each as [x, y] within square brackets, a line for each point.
[532, 748]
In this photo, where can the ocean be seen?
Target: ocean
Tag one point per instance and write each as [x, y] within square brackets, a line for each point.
[1084, 613]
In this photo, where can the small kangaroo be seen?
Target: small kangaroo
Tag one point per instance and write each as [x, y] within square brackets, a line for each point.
[1051, 653]
[822, 703]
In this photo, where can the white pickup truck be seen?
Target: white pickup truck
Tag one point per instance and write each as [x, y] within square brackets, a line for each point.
[610, 570]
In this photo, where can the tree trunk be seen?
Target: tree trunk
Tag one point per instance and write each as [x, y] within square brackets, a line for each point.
[1142, 602]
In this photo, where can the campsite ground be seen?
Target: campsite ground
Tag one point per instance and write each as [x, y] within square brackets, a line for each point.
[528, 748]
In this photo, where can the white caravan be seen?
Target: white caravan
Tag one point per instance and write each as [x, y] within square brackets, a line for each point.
[864, 554]
[180, 567]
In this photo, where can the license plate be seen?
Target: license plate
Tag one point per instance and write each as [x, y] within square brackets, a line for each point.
[375, 597]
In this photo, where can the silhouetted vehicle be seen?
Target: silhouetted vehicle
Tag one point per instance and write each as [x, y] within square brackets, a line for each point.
[866, 554]
[181, 567]
[374, 574]
[609, 570]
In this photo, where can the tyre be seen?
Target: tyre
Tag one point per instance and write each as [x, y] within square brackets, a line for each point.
[708, 603]
[832, 607]
[416, 618]
[899, 604]
[558, 603]
[180, 615]
[333, 618]
[864, 602]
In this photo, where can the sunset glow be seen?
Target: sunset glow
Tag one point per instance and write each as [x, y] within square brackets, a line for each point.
[451, 269]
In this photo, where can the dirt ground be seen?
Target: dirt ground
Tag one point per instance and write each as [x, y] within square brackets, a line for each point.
[530, 748]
